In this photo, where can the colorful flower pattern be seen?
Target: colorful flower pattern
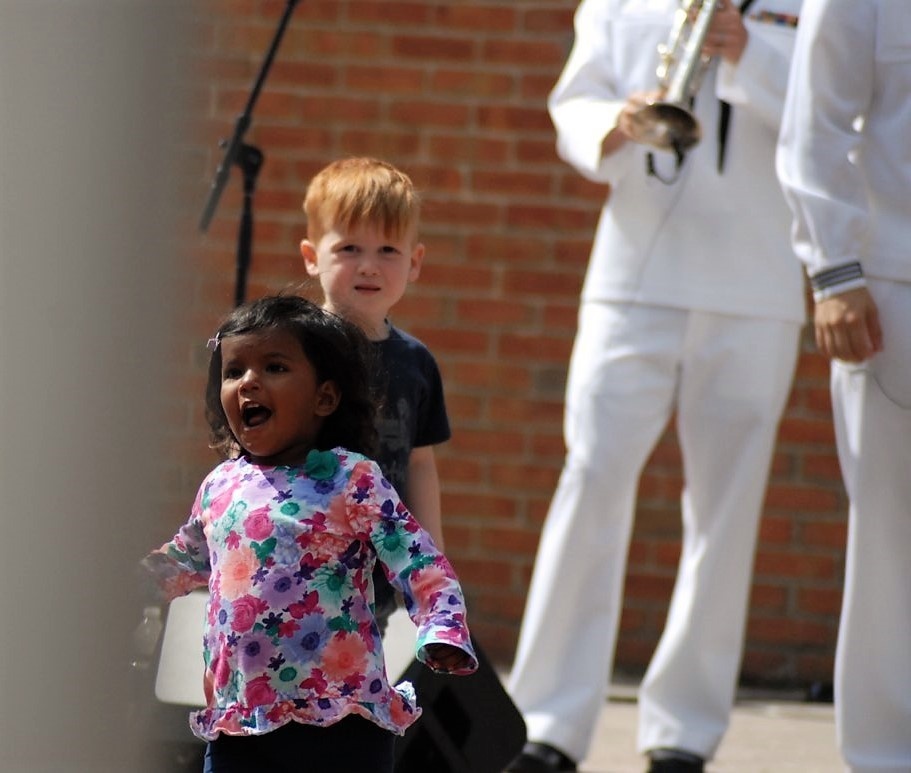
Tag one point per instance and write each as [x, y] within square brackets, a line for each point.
[287, 554]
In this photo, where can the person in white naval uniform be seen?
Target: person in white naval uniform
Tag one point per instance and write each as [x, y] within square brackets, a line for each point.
[692, 305]
[845, 165]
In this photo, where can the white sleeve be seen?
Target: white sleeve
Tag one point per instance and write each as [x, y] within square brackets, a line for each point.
[585, 103]
[830, 87]
[758, 82]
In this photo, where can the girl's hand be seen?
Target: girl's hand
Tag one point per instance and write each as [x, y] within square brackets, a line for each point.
[445, 657]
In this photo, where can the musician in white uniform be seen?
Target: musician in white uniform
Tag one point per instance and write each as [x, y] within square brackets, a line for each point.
[845, 165]
[692, 306]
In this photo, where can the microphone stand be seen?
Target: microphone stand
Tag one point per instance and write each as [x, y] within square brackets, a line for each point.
[250, 160]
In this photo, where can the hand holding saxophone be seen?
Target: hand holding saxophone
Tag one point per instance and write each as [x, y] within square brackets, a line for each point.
[701, 31]
[628, 120]
[727, 35]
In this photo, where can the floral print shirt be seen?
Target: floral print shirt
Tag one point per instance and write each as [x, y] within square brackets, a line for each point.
[287, 553]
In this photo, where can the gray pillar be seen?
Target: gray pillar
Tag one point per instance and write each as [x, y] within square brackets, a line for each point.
[89, 291]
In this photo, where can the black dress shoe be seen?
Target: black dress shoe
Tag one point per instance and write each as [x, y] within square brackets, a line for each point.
[675, 761]
[540, 758]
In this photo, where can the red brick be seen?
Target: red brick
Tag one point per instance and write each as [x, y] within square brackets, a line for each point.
[763, 667]
[543, 349]
[476, 85]
[494, 442]
[824, 602]
[815, 667]
[522, 120]
[577, 187]
[522, 52]
[513, 183]
[794, 564]
[824, 534]
[822, 466]
[434, 48]
[387, 144]
[518, 543]
[390, 12]
[562, 316]
[307, 13]
[660, 487]
[776, 529]
[484, 506]
[473, 16]
[797, 430]
[642, 586]
[395, 80]
[548, 446]
[459, 470]
[666, 553]
[542, 283]
[483, 573]
[533, 86]
[486, 374]
[781, 630]
[525, 477]
[812, 367]
[469, 149]
[462, 213]
[800, 498]
[547, 19]
[769, 598]
[550, 217]
[534, 150]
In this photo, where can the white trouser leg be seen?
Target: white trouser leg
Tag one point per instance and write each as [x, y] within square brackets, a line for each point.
[872, 406]
[620, 391]
[736, 378]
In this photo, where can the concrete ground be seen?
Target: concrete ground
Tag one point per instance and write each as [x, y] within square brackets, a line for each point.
[770, 732]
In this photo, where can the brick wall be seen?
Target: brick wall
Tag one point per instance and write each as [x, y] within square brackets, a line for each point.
[454, 93]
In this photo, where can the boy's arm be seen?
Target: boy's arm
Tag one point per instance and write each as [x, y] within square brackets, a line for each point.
[423, 494]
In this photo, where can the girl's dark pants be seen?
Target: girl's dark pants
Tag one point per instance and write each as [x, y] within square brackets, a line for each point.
[353, 745]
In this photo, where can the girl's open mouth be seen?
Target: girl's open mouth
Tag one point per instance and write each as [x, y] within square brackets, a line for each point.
[253, 415]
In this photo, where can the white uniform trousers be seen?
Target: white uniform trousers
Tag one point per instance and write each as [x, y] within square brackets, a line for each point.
[632, 365]
[872, 406]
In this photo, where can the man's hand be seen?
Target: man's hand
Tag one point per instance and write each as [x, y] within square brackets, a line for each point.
[847, 326]
[625, 130]
[727, 36]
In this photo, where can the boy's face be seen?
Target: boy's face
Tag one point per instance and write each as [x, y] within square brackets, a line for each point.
[363, 272]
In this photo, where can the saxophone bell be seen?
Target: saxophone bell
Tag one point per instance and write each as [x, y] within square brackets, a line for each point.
[669, 124]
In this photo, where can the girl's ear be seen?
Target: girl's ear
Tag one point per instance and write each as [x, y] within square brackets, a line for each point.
[308, 253]
[327, 398]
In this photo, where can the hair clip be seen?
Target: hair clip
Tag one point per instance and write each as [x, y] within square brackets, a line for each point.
[212, 343]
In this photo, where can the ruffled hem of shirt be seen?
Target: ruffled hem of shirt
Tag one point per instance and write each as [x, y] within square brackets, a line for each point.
[209, 723]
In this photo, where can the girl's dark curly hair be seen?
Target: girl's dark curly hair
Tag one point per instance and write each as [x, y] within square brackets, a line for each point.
[337, 350]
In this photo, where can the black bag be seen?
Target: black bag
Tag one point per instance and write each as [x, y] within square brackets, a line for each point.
[469, 724]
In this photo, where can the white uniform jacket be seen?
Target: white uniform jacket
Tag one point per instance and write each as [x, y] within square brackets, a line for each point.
[850, 195]
[709, 241]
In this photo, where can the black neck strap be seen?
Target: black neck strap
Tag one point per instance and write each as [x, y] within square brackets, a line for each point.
[724, 112]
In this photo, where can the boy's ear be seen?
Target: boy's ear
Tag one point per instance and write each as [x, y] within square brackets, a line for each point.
[327, 398]
[308, 253]
[417, 260]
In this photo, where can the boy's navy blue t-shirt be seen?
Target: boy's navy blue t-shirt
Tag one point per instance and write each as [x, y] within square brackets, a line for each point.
[412, 411]
[411, 414]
